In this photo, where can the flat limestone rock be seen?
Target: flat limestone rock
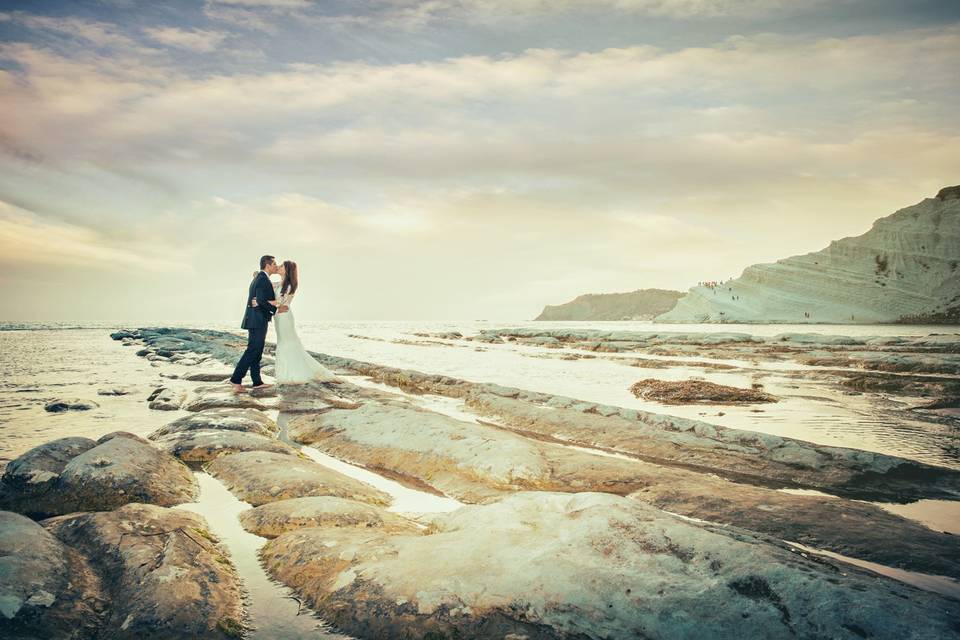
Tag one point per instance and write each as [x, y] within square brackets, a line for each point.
[208, 376]
[848, 527]
[166, 399]
[475, 463]
[313, 397]
[464, 460]
[294, 399]
[544, 565]
[470, 462]
[114, 391]
[203, 446]
[246, 420]
[274, 518]
[269, 391]
[165, 572]
[221, 397]
[47, 590]
[121, 468]
[260, 477]
[749, 456]
[69, 404]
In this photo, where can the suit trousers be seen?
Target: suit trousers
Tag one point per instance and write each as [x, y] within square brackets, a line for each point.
[250, 360]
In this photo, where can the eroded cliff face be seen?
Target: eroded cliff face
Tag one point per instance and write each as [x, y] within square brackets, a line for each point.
[643, 304]
[905, 268]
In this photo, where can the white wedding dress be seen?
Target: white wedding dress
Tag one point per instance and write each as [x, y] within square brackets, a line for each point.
[293, 364]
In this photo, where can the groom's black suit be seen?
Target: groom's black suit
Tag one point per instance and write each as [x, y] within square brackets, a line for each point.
[255, 321]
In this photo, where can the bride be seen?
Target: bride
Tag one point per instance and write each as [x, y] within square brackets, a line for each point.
[293, 364]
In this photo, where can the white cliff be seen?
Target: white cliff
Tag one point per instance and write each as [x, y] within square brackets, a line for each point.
[905, 268]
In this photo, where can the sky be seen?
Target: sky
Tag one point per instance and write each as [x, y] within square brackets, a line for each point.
[450, 159]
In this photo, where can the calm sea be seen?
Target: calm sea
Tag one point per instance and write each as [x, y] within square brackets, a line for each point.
[44, 362]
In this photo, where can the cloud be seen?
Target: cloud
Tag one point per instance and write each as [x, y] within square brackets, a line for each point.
[388, 15]
[732, 74]
[197, 40]
[240, 17]
[538, 112]
[102, 34]
[281, 4]
[28, 238]
[413, 14]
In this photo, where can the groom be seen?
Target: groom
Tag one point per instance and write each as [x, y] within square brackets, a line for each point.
[256, 318]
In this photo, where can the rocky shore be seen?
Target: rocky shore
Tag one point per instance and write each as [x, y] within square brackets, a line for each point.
[581, 520]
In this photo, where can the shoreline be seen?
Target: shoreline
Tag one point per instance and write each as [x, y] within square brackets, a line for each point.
[485, 450]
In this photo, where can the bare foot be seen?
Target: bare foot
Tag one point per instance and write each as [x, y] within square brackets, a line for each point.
[258, 387]
[238, 388]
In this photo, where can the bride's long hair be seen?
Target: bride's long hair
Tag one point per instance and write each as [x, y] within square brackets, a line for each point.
[290, 277]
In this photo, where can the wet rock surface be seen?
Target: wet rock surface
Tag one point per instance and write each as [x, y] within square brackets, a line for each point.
[696, 392]
[114, 391]
[221, 375]
[33, 473]
[476, 463]
[619, 570]
[545, 565]
[204, 446]
[165, 573]
[166, 399]
[313, 398]
[223, 397]
[245, 420]
[120, 469]
[470, 462]
[261, 477]
[275, 518]
[61, 405]
[47, 590]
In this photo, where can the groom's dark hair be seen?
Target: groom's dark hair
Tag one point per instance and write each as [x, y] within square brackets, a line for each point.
[264, 261]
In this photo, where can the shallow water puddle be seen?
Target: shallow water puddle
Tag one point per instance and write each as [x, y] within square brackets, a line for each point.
[939, 515]
[270, 607]
[943, 585]
[809, 492]
[405, 499]
[450, 407]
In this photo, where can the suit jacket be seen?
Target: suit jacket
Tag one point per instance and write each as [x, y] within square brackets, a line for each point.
[261, 290]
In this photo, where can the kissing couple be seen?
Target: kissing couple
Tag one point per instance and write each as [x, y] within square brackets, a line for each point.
[266, 299]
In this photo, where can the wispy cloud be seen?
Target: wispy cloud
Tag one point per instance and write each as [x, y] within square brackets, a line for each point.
[28, 238]
[419, 13]
[198, 40]
[265, 3]
[102, 34]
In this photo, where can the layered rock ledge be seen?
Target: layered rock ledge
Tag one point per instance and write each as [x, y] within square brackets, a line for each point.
[588, 566]
[648, 526]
